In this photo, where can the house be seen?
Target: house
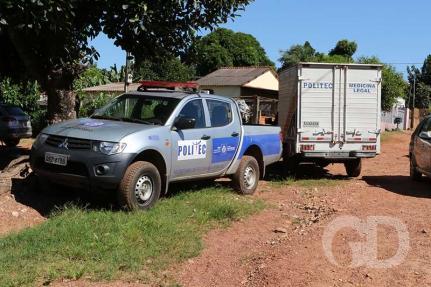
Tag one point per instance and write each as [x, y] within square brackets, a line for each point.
[114, 89]
[257, 86]
[241, 82]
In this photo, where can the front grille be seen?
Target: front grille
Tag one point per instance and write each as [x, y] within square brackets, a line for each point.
[75, 168]
[72, 143]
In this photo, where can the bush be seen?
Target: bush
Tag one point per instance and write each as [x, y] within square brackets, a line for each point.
[90, 103]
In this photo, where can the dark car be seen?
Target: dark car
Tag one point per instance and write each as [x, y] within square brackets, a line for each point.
[420, 150]
[14, 125]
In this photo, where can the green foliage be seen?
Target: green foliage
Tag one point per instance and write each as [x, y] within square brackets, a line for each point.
[342, 53]
[298, 53]
[225, 48]
[393, 84]
[167, 69]
[47, 40]
[344, 48]
[91, 77]
[422, 78]
[106, 245]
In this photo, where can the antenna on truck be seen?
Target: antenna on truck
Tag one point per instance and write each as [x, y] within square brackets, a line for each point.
[174, 86]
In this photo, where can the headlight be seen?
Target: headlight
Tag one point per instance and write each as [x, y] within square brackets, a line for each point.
[109, 148]
[40, 140]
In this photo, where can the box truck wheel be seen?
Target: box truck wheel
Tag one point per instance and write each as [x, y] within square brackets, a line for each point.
[353, 167]
[414, 173]
[140, 187]
[247, 176]
[291, 165]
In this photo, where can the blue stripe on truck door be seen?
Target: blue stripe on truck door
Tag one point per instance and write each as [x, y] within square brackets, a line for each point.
[269, 144]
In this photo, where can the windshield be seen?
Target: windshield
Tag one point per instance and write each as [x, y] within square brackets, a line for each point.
[14, 111]
[138, 109]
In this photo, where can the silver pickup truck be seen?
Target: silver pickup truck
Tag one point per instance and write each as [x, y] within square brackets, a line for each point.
[142, 141]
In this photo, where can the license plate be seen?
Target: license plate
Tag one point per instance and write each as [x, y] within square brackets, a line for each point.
[338, 155]
[55, 158]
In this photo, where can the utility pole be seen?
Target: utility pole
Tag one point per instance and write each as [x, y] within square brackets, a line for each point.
[127, 75]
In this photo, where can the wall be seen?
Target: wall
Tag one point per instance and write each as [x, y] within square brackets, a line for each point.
[266, 81]
[226, 91]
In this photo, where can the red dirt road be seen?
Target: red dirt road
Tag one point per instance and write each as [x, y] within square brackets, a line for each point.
[250, 253]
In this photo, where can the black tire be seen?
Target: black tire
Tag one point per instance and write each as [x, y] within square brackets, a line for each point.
[11, 142]
[353, 167]
[291, 165]
[414, 173]
[246, 178]
[139, 173]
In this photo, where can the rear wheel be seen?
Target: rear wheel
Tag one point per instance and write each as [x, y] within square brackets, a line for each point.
[140, 187]
[414, 173]
[246, 178]
[291, 165]
[353, 167]
[11, 142]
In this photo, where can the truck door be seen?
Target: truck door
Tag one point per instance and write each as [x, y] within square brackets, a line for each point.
[226, 133]
[191, 154]
[361, 113]
[319, 104]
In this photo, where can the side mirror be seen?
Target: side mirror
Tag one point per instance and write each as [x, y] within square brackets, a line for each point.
[425, 135]
[184, 123]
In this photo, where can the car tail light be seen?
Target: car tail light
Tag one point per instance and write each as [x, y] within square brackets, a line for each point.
[307, 147]
[369, 147]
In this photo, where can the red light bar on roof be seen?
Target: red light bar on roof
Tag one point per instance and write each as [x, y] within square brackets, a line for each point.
[168, 85]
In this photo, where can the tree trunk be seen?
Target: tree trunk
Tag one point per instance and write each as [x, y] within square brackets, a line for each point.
[61, 105]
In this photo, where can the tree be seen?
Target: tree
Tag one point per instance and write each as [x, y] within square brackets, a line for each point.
[344, 48]
[167, 69]
[47, 40]
[420, 83]
[225, 48]
[298, 53]
[393, 84]
[342, 53]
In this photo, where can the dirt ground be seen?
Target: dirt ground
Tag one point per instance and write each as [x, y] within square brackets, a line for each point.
[283, 246]
[253, 253]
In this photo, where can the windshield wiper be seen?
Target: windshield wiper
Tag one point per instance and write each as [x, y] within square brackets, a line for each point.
[131, 120]
[101, 117]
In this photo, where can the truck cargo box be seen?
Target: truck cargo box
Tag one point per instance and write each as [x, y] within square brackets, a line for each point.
[330, 112]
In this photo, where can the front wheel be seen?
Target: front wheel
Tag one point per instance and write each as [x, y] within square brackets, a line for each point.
[353, 167]
[414, 173]
[246, 178]
[140, 187]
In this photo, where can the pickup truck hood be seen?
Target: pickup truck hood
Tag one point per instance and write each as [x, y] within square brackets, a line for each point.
[95, 129]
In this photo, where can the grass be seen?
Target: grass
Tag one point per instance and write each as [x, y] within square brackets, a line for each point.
[388, 134]
[106, 245]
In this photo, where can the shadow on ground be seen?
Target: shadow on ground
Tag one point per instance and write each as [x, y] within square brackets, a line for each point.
[46, 201]
[401, 184]
[9, 154]
[304, 171]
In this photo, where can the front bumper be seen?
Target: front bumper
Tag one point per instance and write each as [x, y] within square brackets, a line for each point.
[80, 171]
[18, 133]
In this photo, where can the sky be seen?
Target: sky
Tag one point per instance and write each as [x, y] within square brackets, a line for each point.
[396, 31]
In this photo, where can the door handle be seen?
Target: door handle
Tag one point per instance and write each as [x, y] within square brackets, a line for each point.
[205, 137]
[235, 134]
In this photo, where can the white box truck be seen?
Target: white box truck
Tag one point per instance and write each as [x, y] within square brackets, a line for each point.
[330, 113]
